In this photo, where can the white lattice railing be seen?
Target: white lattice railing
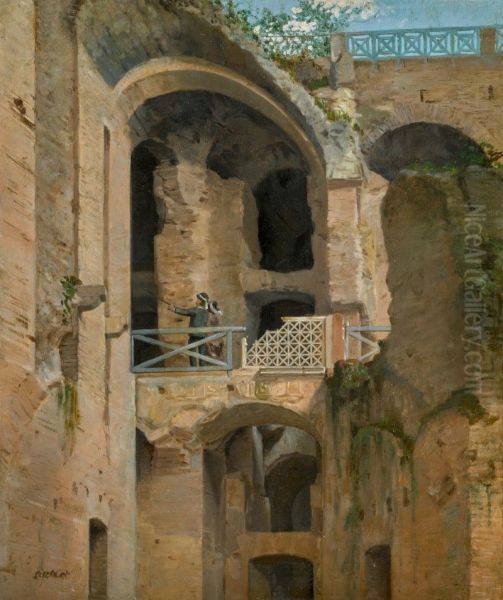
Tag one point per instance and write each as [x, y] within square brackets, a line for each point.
[299, 344]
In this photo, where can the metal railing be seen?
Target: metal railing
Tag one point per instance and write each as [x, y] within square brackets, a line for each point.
[152, 350]
[399, 44]
[414, 43]
[355, 332]
[499, 40]
[299, 345]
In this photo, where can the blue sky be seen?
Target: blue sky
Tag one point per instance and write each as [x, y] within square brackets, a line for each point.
[409, 14]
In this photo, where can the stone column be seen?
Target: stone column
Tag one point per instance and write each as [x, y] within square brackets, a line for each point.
[236, 577]
[201, 246]
[342, 70]
[345, 260]
[170, 524]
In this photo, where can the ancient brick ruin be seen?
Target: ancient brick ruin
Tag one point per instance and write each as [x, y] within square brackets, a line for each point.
[150, 152]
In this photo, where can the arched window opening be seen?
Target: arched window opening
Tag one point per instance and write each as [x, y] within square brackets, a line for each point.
[280, 577]
[284, 221]
[98, 560]
[378, 573]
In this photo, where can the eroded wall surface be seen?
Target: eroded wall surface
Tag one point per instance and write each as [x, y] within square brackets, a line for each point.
[70, 441]
[410, 461]
[416, 441]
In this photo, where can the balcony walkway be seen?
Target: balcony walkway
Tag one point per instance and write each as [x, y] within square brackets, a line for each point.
[302, 346]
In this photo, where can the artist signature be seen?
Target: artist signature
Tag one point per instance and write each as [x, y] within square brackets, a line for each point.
[51, 573]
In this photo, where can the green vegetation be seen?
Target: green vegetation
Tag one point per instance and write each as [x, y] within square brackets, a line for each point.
[337, 116]
[429, 168]
[68, 405]
[354, 515]
[70, 285]
[374, 430]
[354, 376]
[315, 84]
[396, 429]
[303, 30]
[481, 155]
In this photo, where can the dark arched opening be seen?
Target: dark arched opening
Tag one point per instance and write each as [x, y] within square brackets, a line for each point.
[280, 577]
[271, 315]
[98, 559]
[284, 221]
[266, 310]
[427, 146]
[277, 465]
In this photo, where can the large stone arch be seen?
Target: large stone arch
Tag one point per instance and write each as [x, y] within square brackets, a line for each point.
[407, 114]
[203, 415]
[168, 74]
[254, 413]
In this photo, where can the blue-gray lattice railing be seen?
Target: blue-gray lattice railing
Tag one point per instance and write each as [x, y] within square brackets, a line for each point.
[499, 40]
[162, 351]
[414, 43]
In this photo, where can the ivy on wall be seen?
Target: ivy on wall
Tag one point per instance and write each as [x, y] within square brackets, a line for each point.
[68, 406]
[70, 284]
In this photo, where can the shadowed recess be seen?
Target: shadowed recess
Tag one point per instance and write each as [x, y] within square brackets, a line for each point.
[284, 222]
[280, 578]
[419, 144]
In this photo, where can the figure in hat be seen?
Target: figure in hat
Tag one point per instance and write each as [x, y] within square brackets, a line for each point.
[198, 318]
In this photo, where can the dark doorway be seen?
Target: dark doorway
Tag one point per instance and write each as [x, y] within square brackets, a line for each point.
[280, 578]
[144, 226]
[284, 221]
[378, 573]
[142, 350]
[144, 217]
[271, 314]
[98, 559]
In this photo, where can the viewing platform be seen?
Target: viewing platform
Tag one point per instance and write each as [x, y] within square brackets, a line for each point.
[301, 346]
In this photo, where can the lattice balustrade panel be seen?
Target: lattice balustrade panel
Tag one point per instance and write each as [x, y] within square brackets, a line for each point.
[298, 343]
[385, 45]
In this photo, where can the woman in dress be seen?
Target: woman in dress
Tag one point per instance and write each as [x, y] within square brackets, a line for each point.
[215, 348]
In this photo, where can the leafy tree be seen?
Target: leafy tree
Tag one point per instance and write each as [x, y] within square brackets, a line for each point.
[304, 30]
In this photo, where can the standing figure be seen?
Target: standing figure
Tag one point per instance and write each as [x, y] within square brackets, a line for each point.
[198, 318]
[215, 348]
